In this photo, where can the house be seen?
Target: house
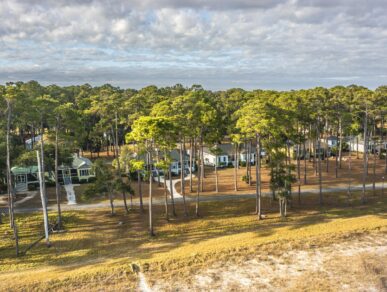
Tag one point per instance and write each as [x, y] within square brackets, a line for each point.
[79, 171]
[227, 155]
[32, 141]
[27, 178]
[325, 149]
[357, 144]
[175, 162]
[332, 141]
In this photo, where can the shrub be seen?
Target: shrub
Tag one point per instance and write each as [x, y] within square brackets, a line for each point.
[242, 163]
[245, 178]
[32, 187]
[89, 192]
[75, 180]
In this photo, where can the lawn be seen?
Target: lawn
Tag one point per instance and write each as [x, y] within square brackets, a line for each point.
[97, 250]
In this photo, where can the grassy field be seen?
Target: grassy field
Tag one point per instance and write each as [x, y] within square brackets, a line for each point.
[97, 250]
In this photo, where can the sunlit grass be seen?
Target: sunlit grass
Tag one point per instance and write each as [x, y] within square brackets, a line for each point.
[97, 246]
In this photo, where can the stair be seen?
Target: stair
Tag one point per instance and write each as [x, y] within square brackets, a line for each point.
[21, 187]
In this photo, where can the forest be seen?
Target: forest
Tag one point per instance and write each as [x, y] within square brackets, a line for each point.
[140, 129]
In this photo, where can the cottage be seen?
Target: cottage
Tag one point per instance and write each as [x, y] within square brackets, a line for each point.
[33, 141]
[356, 144]
[175, 162]
[225, 156]
[332, 141]
[25, 178]
[79, 171]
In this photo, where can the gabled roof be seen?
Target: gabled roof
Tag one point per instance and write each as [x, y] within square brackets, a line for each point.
[24, 170]
[35, 139]
[226, 149]
[174, 154]
[81, 162]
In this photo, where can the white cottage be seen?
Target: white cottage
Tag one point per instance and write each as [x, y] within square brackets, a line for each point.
[224, 157]
[79, 171]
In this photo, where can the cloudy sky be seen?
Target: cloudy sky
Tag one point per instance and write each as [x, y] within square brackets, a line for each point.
[217, 43]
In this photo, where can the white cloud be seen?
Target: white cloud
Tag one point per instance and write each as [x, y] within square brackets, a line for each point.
[283, 43]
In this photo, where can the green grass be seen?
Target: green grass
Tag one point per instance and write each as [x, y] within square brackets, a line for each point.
[96, 248]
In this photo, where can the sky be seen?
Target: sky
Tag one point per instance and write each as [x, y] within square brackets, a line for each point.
[220, 44]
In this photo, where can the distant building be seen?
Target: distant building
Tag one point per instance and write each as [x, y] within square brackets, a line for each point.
[32, 141]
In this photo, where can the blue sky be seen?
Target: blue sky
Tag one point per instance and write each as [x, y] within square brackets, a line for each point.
[219, 44]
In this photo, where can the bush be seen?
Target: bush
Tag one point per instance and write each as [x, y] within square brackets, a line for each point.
[32, 187]
[83, 181]
[92, 179]
[50, 183]
[75, 180]
[245, 178]
[242, 163]
[90, 192]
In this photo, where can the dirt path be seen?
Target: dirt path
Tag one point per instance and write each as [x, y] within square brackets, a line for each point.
[357, 264]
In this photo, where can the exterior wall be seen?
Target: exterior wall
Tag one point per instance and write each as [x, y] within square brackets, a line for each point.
[243, 157]
[176, 169]
[209, 159]
[85, 174]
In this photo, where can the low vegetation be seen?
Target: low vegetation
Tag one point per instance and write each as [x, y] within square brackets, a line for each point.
[98, 250]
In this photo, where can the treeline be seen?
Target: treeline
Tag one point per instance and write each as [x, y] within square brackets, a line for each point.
[159, 120]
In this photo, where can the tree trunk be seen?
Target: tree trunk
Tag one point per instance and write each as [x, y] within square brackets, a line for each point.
[216, 174]
[43, 197]
[305, 165]
[57, 190]
[115, 139]
[374, 174]
[9, 181]
[182, 183]
[319, 166]
[365, 156]
[349, 172]
[151, 233]
[198, 186]
[337, 161]
[249, 163]
[258, 177]
[202, 160]
[190, 166]
[299, 173]
[340, 141]
[140, 191]
[236, 168]
[171, 188]
[166, 195]
[111, 202]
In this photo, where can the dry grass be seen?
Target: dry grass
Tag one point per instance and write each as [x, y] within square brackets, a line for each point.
[97, 250]
[226, 177]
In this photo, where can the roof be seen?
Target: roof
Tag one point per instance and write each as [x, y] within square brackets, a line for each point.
[174, 154]
[36, 139]
[81, 162]
[24, 170]
[226, 149]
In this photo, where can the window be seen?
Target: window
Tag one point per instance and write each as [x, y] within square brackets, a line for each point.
[84, 172]
[21, 178]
